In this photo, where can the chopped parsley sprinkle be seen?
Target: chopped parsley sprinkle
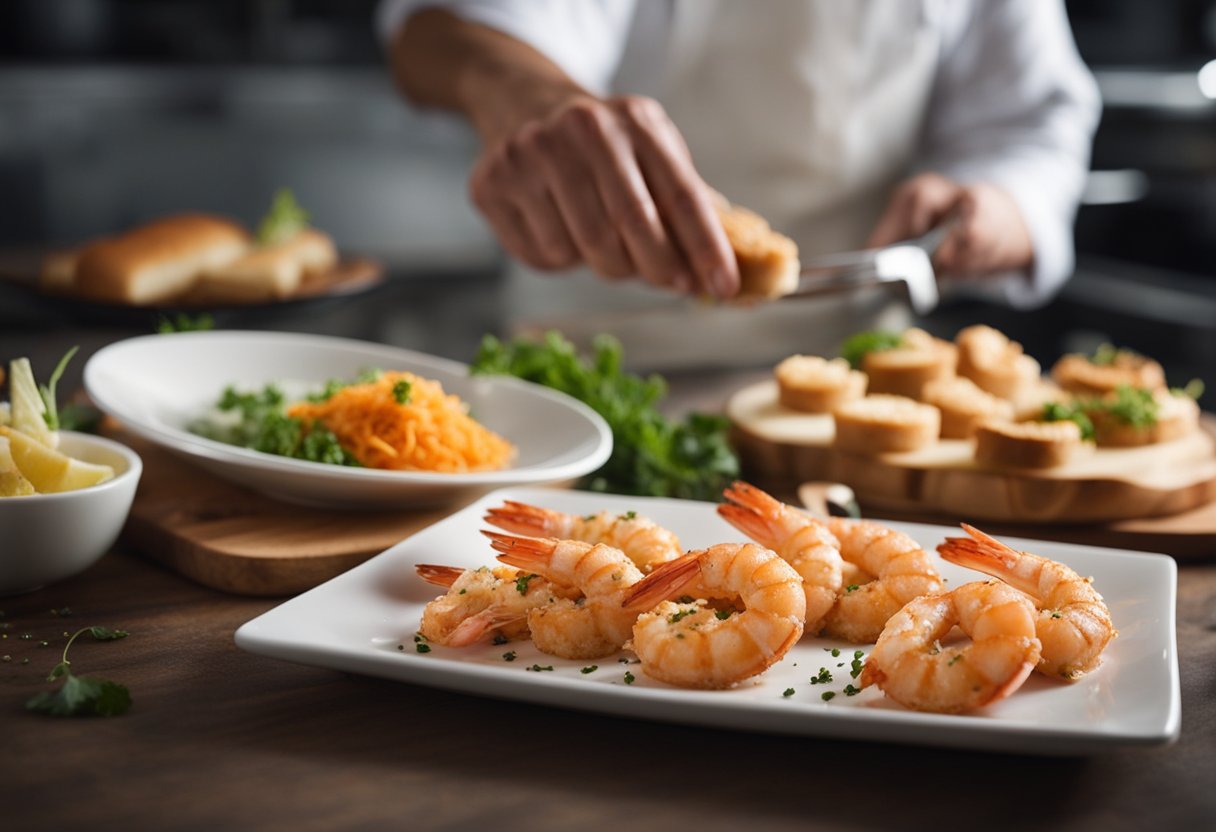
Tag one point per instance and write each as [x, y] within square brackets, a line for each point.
[521, 583]
[955, 658]
[824, 676]
[1055, 614]
[722, 615]
[591, 668]
[499, 638]
[855, 665]
[685, 599]
[538, 669]
[849, 690]
[422, 648]
[835, 651]
[629, 678]
[676, 616]
[623, 660]
[827, 695]
[851, 588]
[508, 656]
[462, 592]
[788, 692]
[401, 391]
[629, 515]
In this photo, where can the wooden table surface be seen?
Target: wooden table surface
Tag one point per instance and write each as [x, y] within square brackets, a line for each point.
[219, 739]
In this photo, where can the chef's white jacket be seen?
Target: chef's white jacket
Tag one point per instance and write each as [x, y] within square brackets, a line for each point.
[810, 111]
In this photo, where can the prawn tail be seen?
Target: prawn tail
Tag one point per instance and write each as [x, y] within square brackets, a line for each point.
[522, 552]
[747, 496]
[980, 552]
[478, 626]
[871, 675]
[438, 575]
[747, 520]
[664, 582]
[1013, 682]
[519, 518]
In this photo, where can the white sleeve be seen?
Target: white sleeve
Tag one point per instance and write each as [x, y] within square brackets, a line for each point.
[1014, 105]
[585, 38]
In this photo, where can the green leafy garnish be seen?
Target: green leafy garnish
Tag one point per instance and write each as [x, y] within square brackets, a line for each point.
[521, 583]
[822, 678]
[536, 668]
[82, 695]
[285, 219]
[591, 668]
[1106, 354]
[849, 690]
[181, 322]
[787, 692]
[856, 664]
[1193, 389]
[1133, 406]
[47, 391]
[827, 695]
[676, 616]
[629, 678]
[1064, 412]
[264, 425]
[722, 615]
[651, 455]
[508, 656]
[401, 391]
[857, 347]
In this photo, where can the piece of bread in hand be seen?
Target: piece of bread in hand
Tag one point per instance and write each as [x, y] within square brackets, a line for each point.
[906, 369]
[273, 271]
[995, 363]
[816, 385]
[158, 261]
[1083, 376]
[964, 406]
[1026, 444]
[879, 424]
[1176, 416]
[768, 260]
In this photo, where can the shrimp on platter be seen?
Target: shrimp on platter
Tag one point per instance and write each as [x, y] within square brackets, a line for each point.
[645, 542]
[885, 569]
[801, 540]
[910, 664]
[480, 602]
[1072, 620]
[597, 623]
[693, 645]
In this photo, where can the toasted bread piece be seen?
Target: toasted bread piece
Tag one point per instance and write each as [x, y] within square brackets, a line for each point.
[1028, 403]
[995, 363]
[880, 424]
[273, 271]
[1177, 416]
[768, 261]
[58, 272]
[816, 385]
[1081, 375]
[964, 406]
[1026, 444]
[905, 370]
[158, 261]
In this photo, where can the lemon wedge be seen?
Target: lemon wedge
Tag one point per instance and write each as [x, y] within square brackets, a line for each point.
[50, 471]
[28, 408]
[12, 482]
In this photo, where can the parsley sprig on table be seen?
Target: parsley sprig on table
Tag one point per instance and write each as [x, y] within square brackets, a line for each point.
[82, 695]
[651, 455]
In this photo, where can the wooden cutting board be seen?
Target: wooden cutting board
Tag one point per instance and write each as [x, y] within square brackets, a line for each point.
[239, 541]
[783, 448]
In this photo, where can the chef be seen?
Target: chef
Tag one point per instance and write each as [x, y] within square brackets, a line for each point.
[604, 124]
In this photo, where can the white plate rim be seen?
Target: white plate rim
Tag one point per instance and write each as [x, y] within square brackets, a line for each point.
[266, 635]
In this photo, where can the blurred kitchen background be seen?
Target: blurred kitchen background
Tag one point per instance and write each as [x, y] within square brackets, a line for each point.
[115, 111]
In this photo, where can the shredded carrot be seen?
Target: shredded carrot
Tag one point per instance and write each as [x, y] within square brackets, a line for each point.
[431, 431]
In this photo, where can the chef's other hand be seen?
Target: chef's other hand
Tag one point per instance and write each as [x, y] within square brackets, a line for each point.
[987, 234]
[609, 183]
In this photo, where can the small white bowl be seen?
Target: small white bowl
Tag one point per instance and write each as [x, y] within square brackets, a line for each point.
[48, 537]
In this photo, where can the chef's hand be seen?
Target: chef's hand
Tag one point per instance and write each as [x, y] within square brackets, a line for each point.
[609, 183]
[987, 234]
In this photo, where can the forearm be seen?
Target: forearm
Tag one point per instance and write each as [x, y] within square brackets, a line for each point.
[499, 83]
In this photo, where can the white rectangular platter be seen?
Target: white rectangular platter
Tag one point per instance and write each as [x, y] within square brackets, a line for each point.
[364, 621]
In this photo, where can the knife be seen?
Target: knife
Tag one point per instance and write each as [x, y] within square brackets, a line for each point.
[909, 262]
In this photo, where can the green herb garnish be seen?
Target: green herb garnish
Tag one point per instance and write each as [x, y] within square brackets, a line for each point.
[676, 616]
[851, 588]
[849, 690]
[722, 615]
[82, 695]
[285, 219]
[1106, 354]
[787, 692]
[536, 668]
[827, 695]
[1064, 412]
[401, 391]
[856, 665]
[47, 391]
[591, 668]
[181, 322]
[1133, 406]
[822, 678]
[957, 657]
[651, 455]
[857, 347]
[521, 583]
[629, 678]
[508, 656]
[1192, 390]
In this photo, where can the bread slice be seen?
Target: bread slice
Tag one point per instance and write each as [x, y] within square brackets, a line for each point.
[964, 406]
[885, 424]
[273, 271]
[58, 272]
[768, 261]
[816, 385]
[1177, 416]
[1026, 444]
[158, 261]
[995, 363]
[906, 369]
[1081, 375]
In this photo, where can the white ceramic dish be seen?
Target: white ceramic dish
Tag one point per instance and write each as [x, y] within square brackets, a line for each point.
[356, 621]
[158, 384]
[48, 537]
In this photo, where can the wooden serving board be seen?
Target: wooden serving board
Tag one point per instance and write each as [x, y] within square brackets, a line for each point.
[239, 541]
[784, 448]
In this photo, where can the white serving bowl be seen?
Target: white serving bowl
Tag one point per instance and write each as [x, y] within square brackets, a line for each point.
[48, 537]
